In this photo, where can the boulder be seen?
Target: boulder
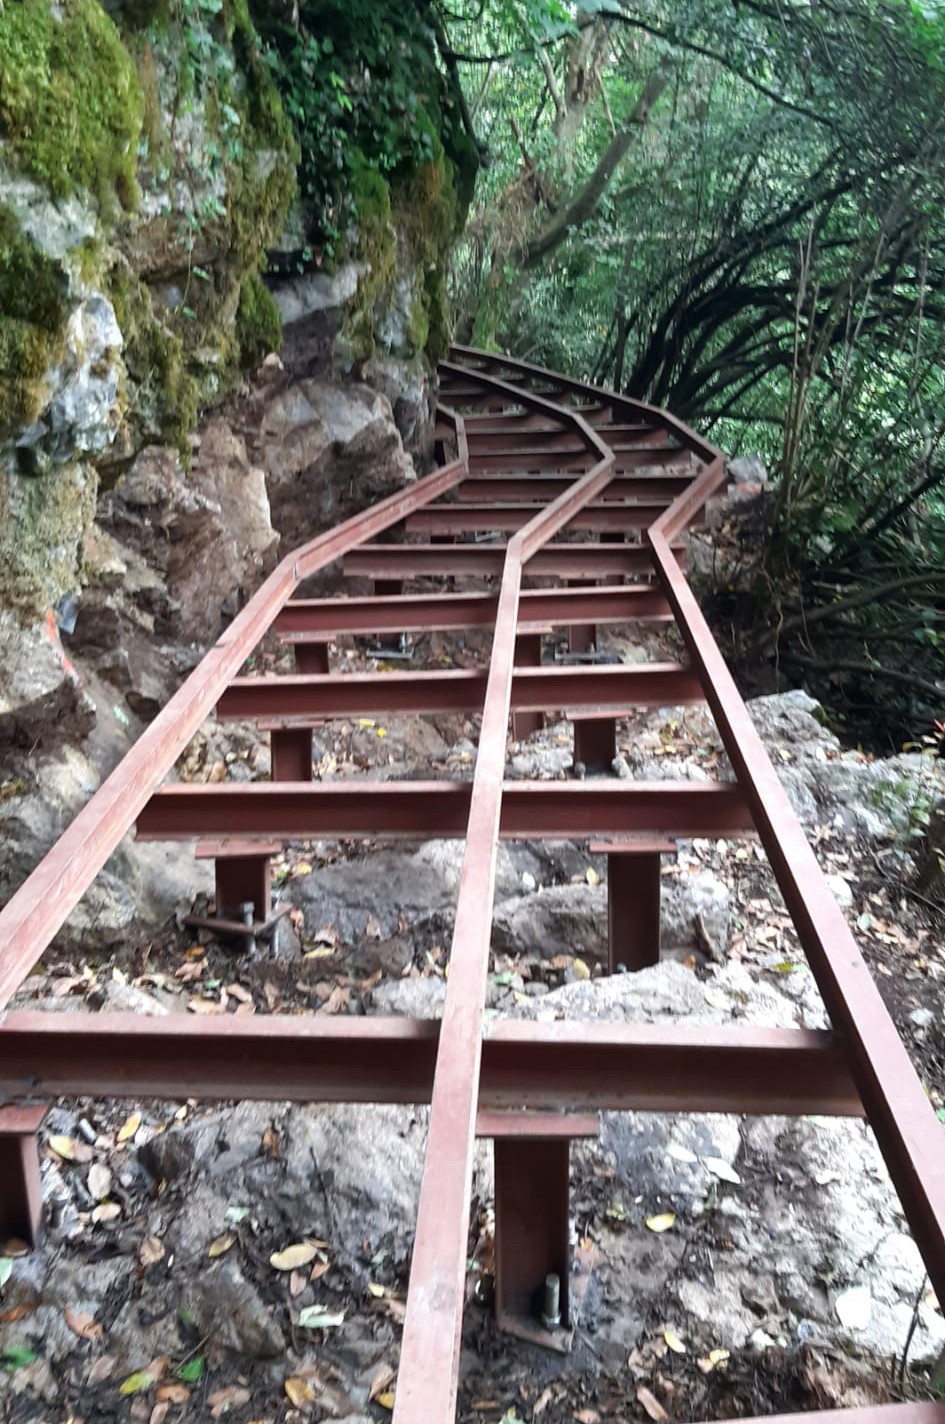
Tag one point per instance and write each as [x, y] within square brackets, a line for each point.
[41, 691]
[328, 451]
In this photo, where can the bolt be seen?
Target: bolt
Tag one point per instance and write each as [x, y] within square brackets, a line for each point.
[248, 909]
[86, 1131]
[551, 1315]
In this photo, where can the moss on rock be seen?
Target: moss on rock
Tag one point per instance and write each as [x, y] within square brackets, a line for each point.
[165, 399]
[258, 324]
[375, 246]
[33, 311]
[70, 102]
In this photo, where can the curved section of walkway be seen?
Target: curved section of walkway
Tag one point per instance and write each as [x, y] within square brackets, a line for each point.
[557, 505]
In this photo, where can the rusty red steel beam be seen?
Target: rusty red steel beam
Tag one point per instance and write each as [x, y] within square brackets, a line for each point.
[628, 408]
[613, 517]
[309, 1058]
[539, 488]
[626, 458]
[579, 561]
[531, 810]
[501, 435]
[915, 1412]
[40, 906]
[898, 1109]
[461, 690]
[430, 1348]
[423, 612]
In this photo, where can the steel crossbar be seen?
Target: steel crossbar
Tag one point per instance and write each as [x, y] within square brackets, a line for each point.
[540, 458]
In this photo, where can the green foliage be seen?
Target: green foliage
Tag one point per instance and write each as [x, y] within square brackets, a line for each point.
[70, 103]
[361, 84]
[258, 324]
[33, 310]
[766, 259]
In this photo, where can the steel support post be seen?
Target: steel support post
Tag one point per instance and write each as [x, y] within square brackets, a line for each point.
[21, 1192]
[311, 658]
[242, 880]
[532, 1229]
[291, 753]
[595, 741]
[527, 654]
[582, 637]
[633, 909]
[532, 1219]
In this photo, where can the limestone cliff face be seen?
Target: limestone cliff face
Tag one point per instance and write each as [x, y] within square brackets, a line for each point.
[185, 187]
[164, 209]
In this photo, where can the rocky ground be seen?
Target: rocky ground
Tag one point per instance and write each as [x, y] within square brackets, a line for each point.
[251, 1261]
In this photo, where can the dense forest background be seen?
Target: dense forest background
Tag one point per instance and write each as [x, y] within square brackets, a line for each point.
[734, 208]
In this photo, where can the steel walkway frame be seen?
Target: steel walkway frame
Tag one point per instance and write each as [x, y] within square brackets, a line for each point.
[533, 462]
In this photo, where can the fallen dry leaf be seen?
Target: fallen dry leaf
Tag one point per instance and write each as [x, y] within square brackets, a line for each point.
[292, 1257]
[221, 1245]
[69, 1149]
[299, 1391]
[102, 1369]
[16, 1312]
[381, 1378]
[99, 1181]
[129, 1127]
[221, 1401]
[173, 1393]
[661, 1222]
[151, 1251]
[83, 1325]
[674, 1341]
[713, 1360]
[106, 1211]
[652, 1405]
[205, 1006]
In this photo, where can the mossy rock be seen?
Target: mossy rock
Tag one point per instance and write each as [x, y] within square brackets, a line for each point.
[70, 102]
[258, 324]
[165, 393]
[34, 306]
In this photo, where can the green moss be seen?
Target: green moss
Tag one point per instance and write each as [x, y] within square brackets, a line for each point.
[376, 247]
[33, 311]
[166, 393]
[70, 103]
[439, 321]
[258, 324]
[138, 14]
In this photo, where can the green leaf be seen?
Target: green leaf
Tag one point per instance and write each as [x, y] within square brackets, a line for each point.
[314, 1317]
[6, 1270]
[136, 1383]
[16, 1357]
[193, 1370]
